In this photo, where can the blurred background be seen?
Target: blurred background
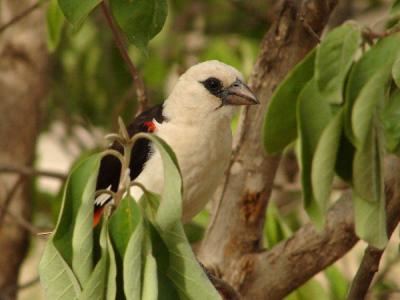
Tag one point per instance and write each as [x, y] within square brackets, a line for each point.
[88, 87]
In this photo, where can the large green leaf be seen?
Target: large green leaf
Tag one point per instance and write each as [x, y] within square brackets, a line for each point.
[75, 11]
[166, 289]
[170, 210]
[140, 20]
[62, 249]
[82, 237]
[56, 277]
[126, 230]
[323, 164]
[184, 270]
[55, 22]
[396, 72]
[313, 114]
[370, 220]
[367, 166]
[390, 117]
[365, 106]
[150, 281]
[379, 58]
[369, 196]
[101, 284]
[78, 195]
[333, 60]
[132, 264]
[279, 128]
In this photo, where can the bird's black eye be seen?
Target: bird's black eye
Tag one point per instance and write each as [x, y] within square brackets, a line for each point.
[212, 84]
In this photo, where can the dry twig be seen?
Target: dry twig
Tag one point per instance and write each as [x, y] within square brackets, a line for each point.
[19, 17]
[27, 171]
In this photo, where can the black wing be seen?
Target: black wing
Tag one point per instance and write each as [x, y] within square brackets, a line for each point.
[110, 167]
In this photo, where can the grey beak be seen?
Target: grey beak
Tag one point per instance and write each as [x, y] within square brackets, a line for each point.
[238, 94]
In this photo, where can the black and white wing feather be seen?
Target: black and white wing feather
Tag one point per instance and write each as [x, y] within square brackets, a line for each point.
[110, 167]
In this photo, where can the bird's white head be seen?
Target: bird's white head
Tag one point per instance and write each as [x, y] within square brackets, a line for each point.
[211, 90]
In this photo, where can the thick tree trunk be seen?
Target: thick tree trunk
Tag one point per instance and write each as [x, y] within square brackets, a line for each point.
[237, 226]
[23, 64]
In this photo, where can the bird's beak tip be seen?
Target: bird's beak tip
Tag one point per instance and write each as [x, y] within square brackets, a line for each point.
[240, 94]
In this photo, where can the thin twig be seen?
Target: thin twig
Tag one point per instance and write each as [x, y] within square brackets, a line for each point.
[19, 17]
[27, 171]
[369, 35]
[119, 41]
[7, 201]
[20, 221]
[308, 28]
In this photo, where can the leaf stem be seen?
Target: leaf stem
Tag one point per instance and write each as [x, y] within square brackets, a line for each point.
[119, 42]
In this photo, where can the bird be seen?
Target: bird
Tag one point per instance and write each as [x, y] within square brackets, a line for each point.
[195, 121]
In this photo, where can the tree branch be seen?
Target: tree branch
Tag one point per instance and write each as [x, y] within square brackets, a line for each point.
[19, 17]
[7, 201]
[291, 263]
[119, 41]
[27, 171]
[236, 229]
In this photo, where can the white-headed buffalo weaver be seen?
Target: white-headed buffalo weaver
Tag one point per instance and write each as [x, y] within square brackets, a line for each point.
[195, 121]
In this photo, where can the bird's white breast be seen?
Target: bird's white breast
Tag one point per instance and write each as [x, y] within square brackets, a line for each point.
[203, 153]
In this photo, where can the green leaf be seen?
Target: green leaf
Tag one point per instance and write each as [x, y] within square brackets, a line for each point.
[275, 230]
[313, 115]
[184, 270]
[150, 281]
[101, 284]
[55, 22]
[166, 289]
[379, 58]
[132, 264]
[140, 20]
[396, 72]
[395, 7]
[56, 277]
[323, 164]
[338, 284]
[333, 60]
[390, 117]
[78, 197]
[75, 11]
[279, 128]
[312, 289]
[370, 218]
[367, 181]
[170, 209]
[365, 106]
[82, 237]
[126, 230]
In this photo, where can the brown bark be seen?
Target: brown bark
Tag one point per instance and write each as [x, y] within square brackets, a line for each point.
[23, 62]
[274, 274]
[236, 229]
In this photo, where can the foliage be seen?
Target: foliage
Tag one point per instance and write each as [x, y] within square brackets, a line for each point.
[341, 99]
[140, 251]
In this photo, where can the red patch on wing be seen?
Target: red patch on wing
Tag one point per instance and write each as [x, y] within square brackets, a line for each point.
[151, 127]
[98, 212]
